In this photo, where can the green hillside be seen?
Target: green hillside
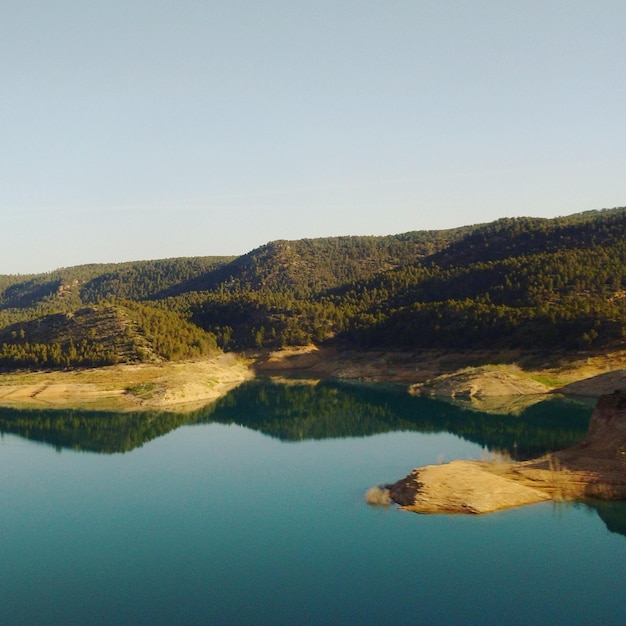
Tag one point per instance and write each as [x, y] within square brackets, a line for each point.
[309, 266]
[69, 287]
[523, 283]
[514, 283]
[101, 335]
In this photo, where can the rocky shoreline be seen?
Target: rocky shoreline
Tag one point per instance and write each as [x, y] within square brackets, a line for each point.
[480, 378]
[452, 374]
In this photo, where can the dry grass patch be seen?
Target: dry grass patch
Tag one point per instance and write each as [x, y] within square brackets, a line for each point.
[378, 496]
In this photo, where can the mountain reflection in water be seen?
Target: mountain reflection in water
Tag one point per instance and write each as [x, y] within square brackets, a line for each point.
[613, 514]
[295, 412]
[308, 411]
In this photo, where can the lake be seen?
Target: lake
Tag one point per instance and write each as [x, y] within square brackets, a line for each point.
[252, 511]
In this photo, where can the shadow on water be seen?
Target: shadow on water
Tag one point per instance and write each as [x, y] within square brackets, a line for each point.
[295, 412]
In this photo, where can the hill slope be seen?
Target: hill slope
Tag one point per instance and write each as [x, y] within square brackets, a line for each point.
[524, 283]
[101, 335]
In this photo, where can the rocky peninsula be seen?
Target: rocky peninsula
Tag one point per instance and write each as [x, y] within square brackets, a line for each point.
[595, 468]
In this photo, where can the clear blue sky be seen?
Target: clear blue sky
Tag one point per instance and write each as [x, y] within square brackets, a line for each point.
[142, 129]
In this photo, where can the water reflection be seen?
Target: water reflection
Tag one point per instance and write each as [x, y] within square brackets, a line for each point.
[294, 412]
[90, 431]
[332, 409]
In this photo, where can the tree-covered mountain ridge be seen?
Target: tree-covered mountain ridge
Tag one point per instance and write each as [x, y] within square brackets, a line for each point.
[523, 283]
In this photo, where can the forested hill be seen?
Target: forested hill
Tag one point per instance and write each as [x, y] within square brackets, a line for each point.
[307, 267]
[103, 334]
[524, 282]
[73, 286]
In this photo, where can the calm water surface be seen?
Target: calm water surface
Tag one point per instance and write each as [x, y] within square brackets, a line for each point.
[252, 511]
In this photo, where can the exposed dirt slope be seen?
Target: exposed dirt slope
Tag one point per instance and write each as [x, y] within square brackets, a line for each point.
[600, 384]
[481, 382]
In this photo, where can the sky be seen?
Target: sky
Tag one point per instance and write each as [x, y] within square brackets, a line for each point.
[147, 129]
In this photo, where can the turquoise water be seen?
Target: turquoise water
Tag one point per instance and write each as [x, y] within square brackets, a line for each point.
[252, 511]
